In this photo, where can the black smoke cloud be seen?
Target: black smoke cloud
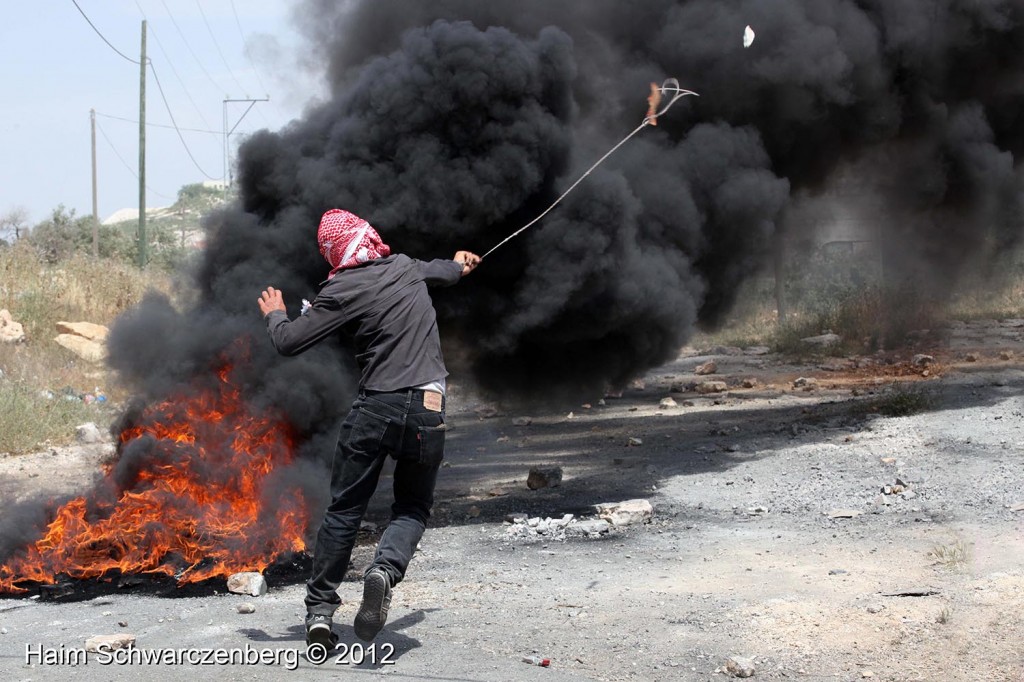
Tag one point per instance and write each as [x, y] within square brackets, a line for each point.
[450, 124]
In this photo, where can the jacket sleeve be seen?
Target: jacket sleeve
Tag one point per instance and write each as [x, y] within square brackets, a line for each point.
[291, 337]
[439, 272]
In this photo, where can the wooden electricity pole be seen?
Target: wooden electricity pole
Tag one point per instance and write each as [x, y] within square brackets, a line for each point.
[142, 151]
[95, 209]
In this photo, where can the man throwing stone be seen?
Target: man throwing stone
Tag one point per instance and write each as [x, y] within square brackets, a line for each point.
[381, 301]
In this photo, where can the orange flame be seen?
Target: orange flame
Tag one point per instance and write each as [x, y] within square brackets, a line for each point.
[200, 505]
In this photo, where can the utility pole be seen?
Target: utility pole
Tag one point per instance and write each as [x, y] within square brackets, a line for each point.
[227, 133]
[142, 151]
[95, 209]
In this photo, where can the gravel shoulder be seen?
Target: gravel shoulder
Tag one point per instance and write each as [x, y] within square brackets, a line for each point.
[771, 538]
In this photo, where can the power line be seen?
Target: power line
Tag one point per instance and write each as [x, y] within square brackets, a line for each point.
[109, 44]
[191, 51]
[245, 47]
[176, 75]
[161, 125]
[175, 124]
[217, 45]
[125, 163]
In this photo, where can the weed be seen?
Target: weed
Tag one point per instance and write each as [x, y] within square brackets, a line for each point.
[945, 615]
[954, 555]
[902, 400]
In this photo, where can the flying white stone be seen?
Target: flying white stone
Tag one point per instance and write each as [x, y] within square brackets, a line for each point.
[748, 37]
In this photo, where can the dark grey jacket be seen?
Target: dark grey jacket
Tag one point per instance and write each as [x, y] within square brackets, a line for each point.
[384, 306]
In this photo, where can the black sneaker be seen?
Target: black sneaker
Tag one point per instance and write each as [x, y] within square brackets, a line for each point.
[318, 631]
[373, 612]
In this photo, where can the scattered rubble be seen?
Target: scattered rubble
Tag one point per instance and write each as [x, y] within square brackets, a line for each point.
[251, 583]
[544, 477]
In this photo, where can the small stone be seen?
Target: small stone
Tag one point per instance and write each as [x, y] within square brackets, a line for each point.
[108, 613]
[1017, 507]
[875, 608]
[972, 357]
[591, 527]
[1006, 355]
[3, 631]
[522, 421]
[474, 511]
[667, 403]
[866, 673]
[626, 513]
[706, 387]
[740, 667]
[246, 608]
[709, 367]
[909, 494]
[806, 383]
[837, 571]
[123, 623]
[109, 642]
[922, 360]
[638, 385]
[749, 383]
[516, 517]
[544, 477]
[844, 513]
[757, 350]
[888, 460]
[634, 442]
[823, 340]
[250, 583]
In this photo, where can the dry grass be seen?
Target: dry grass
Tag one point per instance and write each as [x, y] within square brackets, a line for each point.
[38, 296]
[955, 555]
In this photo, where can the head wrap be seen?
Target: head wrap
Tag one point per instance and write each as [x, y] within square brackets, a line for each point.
[346, 240]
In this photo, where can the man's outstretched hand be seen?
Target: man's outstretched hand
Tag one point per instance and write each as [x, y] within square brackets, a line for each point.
[468, 259]
[270, 300]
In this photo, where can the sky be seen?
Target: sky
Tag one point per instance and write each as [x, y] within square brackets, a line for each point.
[57, 68]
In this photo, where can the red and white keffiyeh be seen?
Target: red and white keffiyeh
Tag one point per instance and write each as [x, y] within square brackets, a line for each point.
[346, 239]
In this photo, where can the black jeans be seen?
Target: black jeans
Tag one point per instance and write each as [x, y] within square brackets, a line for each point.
[379, 424]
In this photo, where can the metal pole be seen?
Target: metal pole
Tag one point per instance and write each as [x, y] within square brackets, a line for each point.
[142, 151]
[228, 180]
[95, 209]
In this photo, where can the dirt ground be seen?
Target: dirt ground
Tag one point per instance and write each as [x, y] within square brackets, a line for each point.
[771, 537]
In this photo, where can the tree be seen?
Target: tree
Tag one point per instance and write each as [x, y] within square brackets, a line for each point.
[14, 221]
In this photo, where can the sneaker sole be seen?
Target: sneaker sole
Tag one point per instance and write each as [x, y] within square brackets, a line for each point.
[373, 611]
[320, 634]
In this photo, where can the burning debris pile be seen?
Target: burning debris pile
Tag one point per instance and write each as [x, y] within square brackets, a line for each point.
[193, 494]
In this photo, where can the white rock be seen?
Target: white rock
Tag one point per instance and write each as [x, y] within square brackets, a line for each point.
[805, 382]
[251, 583]
[109, 642]
[626, 513]
[667, 403]
[824, 340]
[10, 331]
[634, 442]
[922, 360]
[590, 527]
[740, 667]
[712, 387]
[748, 37]
[88, 433]
[246, 608]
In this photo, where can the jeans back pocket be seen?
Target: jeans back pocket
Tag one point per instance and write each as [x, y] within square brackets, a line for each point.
[431, 441]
